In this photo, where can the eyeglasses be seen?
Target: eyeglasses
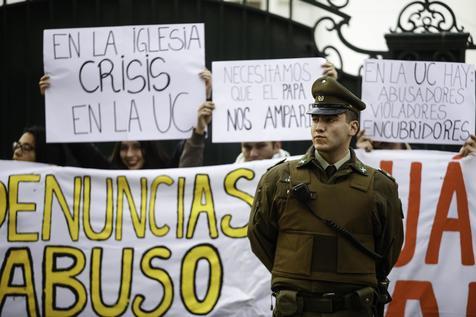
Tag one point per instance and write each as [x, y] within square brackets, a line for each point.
[25, 147]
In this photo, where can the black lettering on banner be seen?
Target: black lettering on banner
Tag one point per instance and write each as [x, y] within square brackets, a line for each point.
[285, 116]
[421, 76]
[60, 40]
[19, 259]
[137, 77]
[116, 129]
[106, 72]
[134, 115]
[110, 42]
[445, 130]
[81, 81]
[162, 115]
[240, 93]
[174, 104]
[161, 74]
[93, 119]
[158, 111]
[238, 120]
[120, 306]
[165, 38]
[64, 277]
[159, 275]
[293, 91]
[188, 290]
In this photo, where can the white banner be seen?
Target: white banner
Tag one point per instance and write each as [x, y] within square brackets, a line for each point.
[123, 83]
[263, 100]
[173, 242]
[418, 102]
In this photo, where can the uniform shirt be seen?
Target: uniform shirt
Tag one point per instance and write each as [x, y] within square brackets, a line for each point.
[324, 164]
[263, 226]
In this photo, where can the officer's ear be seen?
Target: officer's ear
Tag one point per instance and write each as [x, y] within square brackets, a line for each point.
[353, 120]
[354, 127]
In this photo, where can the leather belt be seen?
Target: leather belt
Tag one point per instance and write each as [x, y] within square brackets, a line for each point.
[323, 304]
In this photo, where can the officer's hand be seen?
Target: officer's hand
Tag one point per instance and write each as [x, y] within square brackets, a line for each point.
[469, 147]
[44, 83]
[364, 142]
[329, 69]
[206, 75]
[204, 116]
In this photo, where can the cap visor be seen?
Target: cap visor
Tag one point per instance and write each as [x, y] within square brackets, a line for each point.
[325, 111]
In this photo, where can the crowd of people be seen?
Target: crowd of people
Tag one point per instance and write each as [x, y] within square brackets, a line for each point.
[32, 146]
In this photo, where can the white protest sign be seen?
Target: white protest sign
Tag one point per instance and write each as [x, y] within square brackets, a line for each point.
[123, 83]
[418, 102]
[263, 100]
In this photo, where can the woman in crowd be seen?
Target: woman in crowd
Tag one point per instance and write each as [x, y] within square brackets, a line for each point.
[32, 147]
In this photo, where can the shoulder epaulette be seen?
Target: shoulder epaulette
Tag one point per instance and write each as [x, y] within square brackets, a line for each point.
[387, 175]
[279, 162]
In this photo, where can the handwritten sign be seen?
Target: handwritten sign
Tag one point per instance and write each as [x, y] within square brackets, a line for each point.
[418, 102]
[263, 100]
[123, 83]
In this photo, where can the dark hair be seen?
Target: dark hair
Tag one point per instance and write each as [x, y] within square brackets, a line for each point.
[352, 116]
[46, 152]
[154, 154]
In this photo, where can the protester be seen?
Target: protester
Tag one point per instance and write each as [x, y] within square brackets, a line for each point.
[32, 147]
[252, 151]
[328, 227]
[366, 143]
[148, 154]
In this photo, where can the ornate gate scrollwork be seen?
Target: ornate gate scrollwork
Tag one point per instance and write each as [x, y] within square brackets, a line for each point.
[417, 17]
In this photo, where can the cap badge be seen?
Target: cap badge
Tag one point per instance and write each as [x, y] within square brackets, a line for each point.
[320, 98]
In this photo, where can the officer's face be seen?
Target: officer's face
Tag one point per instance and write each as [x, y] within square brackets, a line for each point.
[332, 134]
[253, 151]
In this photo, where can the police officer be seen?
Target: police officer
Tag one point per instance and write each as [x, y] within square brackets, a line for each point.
[328, 227]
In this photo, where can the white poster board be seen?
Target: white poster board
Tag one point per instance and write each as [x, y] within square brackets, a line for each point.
[123, 83]
[418, 102]
[263, 100]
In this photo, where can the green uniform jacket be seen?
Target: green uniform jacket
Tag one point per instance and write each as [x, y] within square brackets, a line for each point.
[301, 252]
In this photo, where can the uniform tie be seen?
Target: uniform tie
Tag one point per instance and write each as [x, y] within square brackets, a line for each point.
[330, 170]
